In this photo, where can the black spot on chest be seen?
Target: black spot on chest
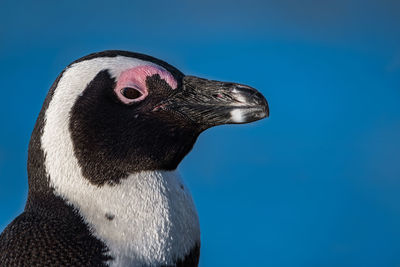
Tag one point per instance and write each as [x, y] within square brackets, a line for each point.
[109, 216]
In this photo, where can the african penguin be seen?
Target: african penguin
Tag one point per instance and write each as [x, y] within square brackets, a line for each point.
[102, 160]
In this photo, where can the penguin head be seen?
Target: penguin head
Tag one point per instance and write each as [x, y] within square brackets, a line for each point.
[119, 112]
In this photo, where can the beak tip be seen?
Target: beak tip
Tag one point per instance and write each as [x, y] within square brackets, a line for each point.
[263, 104]
[266, 109]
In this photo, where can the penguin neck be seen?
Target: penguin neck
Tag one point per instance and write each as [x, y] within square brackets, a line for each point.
[147, 219]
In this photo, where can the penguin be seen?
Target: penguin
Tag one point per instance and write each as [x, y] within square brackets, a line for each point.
[104, 189]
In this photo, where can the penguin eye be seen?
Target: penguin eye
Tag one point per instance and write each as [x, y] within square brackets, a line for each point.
[130, 93]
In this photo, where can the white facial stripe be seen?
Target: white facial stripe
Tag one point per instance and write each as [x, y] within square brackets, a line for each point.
[154, 222]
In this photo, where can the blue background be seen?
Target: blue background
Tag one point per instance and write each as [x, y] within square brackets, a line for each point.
[316, 184]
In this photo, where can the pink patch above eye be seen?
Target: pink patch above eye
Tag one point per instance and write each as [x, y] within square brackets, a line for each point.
[136, 78]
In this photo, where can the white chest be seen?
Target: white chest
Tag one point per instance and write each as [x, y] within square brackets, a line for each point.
[147, 219]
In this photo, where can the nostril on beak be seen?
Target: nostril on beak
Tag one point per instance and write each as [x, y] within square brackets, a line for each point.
[218, 95]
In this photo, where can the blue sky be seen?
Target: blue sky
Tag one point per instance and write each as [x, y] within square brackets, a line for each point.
[316, 184]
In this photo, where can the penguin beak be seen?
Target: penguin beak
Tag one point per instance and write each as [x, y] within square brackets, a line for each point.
[210, 103]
